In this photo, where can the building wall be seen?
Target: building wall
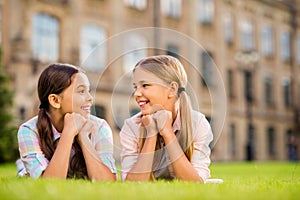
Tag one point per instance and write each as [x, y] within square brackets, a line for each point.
[111, 85]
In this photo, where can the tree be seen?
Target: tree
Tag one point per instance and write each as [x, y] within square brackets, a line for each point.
[8, 132]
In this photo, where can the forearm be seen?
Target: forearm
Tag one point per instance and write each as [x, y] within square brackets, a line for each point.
[143, 167]
[96, 169]
[182, 167]
[59, 163]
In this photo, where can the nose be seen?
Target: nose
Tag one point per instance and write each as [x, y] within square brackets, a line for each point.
[89, 97]
[137, 92]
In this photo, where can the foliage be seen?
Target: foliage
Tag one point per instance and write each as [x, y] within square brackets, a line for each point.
[8, 141]
[241, 181]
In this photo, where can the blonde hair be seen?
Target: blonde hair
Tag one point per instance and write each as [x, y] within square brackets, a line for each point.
[169, 69]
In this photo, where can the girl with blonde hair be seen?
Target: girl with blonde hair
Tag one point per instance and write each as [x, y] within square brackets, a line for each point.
[167, 139]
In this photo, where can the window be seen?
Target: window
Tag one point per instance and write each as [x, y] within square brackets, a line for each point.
[248, 86]
[92, 47]
[250, 152]
[207, 69]
[246, 35]
[231, 81]
[291, 145]
[135, 48]
[285, 46]
[286, 92]
[205, 10]
[271, 142]
[138, 4]
[173, 50]
[0, 25]
[298, 49]
[45, 40]
[268, 90]
[232, 142]
[171, 8]
[267, 46]
[228, 27]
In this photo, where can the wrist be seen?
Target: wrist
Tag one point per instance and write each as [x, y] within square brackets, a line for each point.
[167, 134]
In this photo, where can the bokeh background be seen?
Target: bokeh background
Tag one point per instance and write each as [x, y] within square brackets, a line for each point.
[242, 58]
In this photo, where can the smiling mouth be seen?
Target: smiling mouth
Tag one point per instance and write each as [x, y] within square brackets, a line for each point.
[142, 104]
[86, 108]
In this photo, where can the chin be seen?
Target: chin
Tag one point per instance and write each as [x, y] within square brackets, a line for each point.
[85, 115]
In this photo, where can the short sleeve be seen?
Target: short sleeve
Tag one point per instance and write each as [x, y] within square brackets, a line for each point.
[104, 145]
[31, 154]
[202, 138]
[129, 143]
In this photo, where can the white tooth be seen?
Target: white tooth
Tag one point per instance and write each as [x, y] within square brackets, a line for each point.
[142, 103]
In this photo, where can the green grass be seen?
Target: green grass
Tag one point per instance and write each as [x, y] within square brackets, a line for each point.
[271, 180]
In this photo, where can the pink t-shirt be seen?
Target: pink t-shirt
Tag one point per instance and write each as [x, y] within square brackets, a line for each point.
[129, 138]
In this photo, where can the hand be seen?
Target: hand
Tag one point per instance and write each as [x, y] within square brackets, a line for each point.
[87, 129]
[163, 119]
[150, 125]
[73, 123]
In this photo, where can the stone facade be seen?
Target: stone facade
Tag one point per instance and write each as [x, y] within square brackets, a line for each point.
[190, 36]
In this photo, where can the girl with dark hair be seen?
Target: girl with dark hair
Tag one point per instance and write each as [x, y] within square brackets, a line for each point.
[167, 139]
[65, 140]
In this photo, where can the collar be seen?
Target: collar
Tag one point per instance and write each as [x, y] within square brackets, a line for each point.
[56, 134]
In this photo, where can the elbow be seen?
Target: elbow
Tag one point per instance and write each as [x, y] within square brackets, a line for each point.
[109, 177]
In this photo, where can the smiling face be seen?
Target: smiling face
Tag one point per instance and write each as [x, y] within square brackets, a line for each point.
[77, 98]
[151, 91]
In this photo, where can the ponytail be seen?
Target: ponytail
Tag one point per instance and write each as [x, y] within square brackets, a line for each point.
[44, 129]
[186, 133]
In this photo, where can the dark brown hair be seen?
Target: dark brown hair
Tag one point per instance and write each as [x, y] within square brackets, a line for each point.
[54, 80]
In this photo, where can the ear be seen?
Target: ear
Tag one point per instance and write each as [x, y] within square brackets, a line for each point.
[54, 100]
[173, 89]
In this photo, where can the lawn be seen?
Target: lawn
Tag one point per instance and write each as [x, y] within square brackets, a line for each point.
[271, 180]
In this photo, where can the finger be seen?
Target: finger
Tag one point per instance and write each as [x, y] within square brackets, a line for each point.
[145, 120]
[150, 125]
[161, 118]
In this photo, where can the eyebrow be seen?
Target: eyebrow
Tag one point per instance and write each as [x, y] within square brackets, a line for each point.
[85, 86]
[143, 81]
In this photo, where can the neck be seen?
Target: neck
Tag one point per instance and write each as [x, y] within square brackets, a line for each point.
[57, 120]
[175, 111]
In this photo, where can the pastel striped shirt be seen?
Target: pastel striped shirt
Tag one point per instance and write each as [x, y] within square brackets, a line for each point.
[33, 161]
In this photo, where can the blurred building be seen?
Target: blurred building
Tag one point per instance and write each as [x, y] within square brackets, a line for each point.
[242, 58]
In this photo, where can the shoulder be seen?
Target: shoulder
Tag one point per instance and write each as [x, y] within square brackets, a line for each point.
[131, 125]
[102, 127]
[99, 121]
[30, 124]
[200, 123]
[134, 121]
[198, 116]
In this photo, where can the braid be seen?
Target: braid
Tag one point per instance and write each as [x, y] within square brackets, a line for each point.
[45, 133]
[77, 164]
